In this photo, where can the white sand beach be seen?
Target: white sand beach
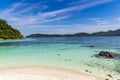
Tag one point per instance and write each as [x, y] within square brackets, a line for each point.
[44, 73]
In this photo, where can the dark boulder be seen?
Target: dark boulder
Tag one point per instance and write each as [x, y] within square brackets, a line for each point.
[107, 54]
[92, 46]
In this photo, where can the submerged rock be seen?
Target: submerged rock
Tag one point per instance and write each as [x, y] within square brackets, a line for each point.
[107, 54]
[109, 75]
[92, 46]
[58, 54]
[86, 70]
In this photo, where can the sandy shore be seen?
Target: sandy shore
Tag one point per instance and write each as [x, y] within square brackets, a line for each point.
[44, 73]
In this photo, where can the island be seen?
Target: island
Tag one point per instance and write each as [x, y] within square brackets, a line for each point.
[101, 33]
[8, 32]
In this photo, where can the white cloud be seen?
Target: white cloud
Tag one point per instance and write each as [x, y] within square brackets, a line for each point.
[75, 28]
[118, 18]
[24, 17]
[17, 18]
[79, 2]
[98, 21]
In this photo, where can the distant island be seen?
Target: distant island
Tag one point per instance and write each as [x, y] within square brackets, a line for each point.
[7, 32]
[102, 33]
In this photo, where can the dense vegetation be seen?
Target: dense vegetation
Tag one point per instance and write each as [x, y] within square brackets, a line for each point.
[58, 35]
[7, 32]
[108, 33]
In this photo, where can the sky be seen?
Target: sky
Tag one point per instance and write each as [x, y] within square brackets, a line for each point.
[61, 16]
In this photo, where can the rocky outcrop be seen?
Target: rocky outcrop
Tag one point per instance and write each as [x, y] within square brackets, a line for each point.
[92, 46]
[107, 54]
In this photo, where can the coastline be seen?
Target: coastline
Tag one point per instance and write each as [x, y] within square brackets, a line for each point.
[27, 59]
[45, 73]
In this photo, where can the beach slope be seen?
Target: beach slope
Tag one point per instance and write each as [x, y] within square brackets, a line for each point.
[44, 73]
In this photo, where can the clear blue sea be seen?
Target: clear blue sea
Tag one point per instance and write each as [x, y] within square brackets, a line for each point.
[69, 52]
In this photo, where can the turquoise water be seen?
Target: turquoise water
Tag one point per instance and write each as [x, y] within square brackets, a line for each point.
[60, 52]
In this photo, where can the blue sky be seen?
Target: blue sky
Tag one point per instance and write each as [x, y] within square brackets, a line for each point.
[61, 16]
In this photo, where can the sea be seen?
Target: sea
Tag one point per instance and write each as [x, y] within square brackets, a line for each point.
[64, 52]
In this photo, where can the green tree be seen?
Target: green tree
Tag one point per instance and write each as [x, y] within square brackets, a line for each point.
[7, 32]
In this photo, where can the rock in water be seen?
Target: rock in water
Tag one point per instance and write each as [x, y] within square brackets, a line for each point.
[107, 54]
[92, 46]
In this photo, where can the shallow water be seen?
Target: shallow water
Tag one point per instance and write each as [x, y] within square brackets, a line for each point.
[61, 52]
